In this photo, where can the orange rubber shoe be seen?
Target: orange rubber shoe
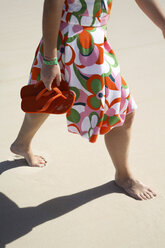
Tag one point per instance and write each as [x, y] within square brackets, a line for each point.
[37, 99]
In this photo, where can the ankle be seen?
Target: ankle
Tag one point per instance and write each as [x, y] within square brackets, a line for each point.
[20, 145]
[123, 175]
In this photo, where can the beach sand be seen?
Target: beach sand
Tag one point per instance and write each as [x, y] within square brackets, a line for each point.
[73, 202]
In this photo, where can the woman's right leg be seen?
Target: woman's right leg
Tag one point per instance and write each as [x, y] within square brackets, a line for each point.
[22, 144]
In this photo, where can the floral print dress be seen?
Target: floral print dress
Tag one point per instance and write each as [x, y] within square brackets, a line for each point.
[91, 69]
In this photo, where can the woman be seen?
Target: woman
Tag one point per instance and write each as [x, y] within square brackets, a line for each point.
[74, 31]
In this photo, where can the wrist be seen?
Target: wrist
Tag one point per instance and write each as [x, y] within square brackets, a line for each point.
[49, 51]
[49, 61]
[50, 58]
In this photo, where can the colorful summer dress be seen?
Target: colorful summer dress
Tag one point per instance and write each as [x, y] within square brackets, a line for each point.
[91, 69]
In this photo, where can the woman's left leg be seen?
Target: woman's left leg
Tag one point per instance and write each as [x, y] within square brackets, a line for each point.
[117, 142]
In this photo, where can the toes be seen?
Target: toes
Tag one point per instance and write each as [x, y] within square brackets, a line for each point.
[135, 195]
[43, 158]
[139, 197]
[42, 165]
[148, 195]
[152, 192]
[39, 162]
[42, 162]
[152, 195]
[143, 196]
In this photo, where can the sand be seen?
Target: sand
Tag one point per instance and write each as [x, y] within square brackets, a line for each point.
[73, 202]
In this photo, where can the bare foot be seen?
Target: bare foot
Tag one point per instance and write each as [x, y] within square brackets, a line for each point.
[135, 188]
[32, 160]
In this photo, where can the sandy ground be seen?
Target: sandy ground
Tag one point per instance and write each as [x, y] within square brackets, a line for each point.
[73, 202]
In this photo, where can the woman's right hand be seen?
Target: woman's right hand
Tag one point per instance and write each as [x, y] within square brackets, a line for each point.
[49, 73]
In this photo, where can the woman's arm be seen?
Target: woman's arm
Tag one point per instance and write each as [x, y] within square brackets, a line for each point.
[50, 26]
[154, 11]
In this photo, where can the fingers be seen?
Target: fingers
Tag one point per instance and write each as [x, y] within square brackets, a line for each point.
[47, 82]
[58, 79]
[49, 74]
[48, 85]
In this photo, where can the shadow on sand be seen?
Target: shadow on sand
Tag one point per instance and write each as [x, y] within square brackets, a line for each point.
[8, 165]
[16, 222]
